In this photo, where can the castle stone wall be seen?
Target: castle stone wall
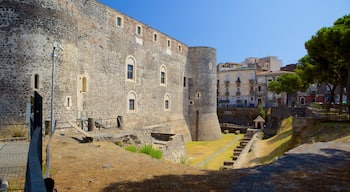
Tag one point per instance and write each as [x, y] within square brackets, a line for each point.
[91, 72]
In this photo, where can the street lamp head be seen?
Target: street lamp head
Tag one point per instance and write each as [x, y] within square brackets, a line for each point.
[56, 45]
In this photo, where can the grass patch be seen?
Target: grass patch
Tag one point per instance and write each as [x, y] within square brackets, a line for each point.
[131, 148]
[146, 149]
[149, 150]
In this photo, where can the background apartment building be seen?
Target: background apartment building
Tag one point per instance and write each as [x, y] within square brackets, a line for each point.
[245, 84]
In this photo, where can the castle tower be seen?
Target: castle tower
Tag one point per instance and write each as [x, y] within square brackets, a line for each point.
[204, 124]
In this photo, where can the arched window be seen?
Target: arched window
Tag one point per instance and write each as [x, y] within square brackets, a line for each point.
[163, 75]
[130, 68]
[131, 100]
[167, 102]
[155, 37]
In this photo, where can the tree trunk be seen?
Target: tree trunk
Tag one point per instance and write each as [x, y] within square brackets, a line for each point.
[330, 99]
[341, 92]
[348, 91]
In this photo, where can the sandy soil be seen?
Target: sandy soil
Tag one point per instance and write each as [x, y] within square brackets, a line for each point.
[103, 166]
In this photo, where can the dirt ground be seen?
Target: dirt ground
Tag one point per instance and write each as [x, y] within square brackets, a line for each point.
[103, 166]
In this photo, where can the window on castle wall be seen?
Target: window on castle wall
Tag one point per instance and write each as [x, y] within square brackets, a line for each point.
[130, 65]
[184, 81]
[130, 71]
[36, 81]
[131, 104]
[198, 95]
[259, 88]
[139, 30]
[68, 102]
[180, 48]
[163, 75]
[167, 102]
[155, 37]
[168, 43]
[84, 85]
[131, 99]
[119, 21]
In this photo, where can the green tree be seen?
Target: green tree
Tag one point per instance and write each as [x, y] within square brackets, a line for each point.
[328, 53]
[289, 83]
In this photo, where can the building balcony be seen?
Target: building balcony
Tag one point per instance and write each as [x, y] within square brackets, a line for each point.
[238, 93]
[227, 94]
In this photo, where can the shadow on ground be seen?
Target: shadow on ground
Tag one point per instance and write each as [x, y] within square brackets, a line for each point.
[323, 169]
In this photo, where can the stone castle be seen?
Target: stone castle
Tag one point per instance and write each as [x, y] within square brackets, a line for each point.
[112, 67]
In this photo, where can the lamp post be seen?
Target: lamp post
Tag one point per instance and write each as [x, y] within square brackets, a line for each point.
[55, 46]
[48, 162]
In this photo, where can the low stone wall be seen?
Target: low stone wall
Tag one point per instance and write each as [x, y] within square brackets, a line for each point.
[301, 123]
[172, 145]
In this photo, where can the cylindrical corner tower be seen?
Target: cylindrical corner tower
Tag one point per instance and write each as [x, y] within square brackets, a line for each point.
[202, 94]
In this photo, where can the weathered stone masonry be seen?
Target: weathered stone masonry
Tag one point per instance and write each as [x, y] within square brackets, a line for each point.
[172, 85]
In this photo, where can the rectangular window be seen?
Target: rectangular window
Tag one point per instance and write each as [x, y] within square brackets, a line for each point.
[130, 71]
[119, 21]
[131, 104]
[36, 81]
[138, 31]
[166, 104]
[184, 81]
[162, 77]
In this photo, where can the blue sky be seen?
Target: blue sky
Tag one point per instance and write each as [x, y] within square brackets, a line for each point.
[238, 28]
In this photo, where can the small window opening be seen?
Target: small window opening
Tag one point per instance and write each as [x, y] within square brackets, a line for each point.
[162, 77]
[184, 81]
[84, 84]
[36, 81]
[131, 104]
[139, 30]
[168, 43]
[119, 121]
[130, 71]
[119, 21]
[155, 37]
[166, 104]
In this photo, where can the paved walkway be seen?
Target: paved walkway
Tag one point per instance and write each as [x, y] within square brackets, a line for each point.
[212, 156]
[309, 167]
[13, 161]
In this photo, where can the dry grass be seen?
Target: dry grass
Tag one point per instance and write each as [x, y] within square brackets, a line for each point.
[267, 150]
[199, 151]
[10, 131]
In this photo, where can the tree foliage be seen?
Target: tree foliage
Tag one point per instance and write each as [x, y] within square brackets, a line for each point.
[289, 83]
[328, 59]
